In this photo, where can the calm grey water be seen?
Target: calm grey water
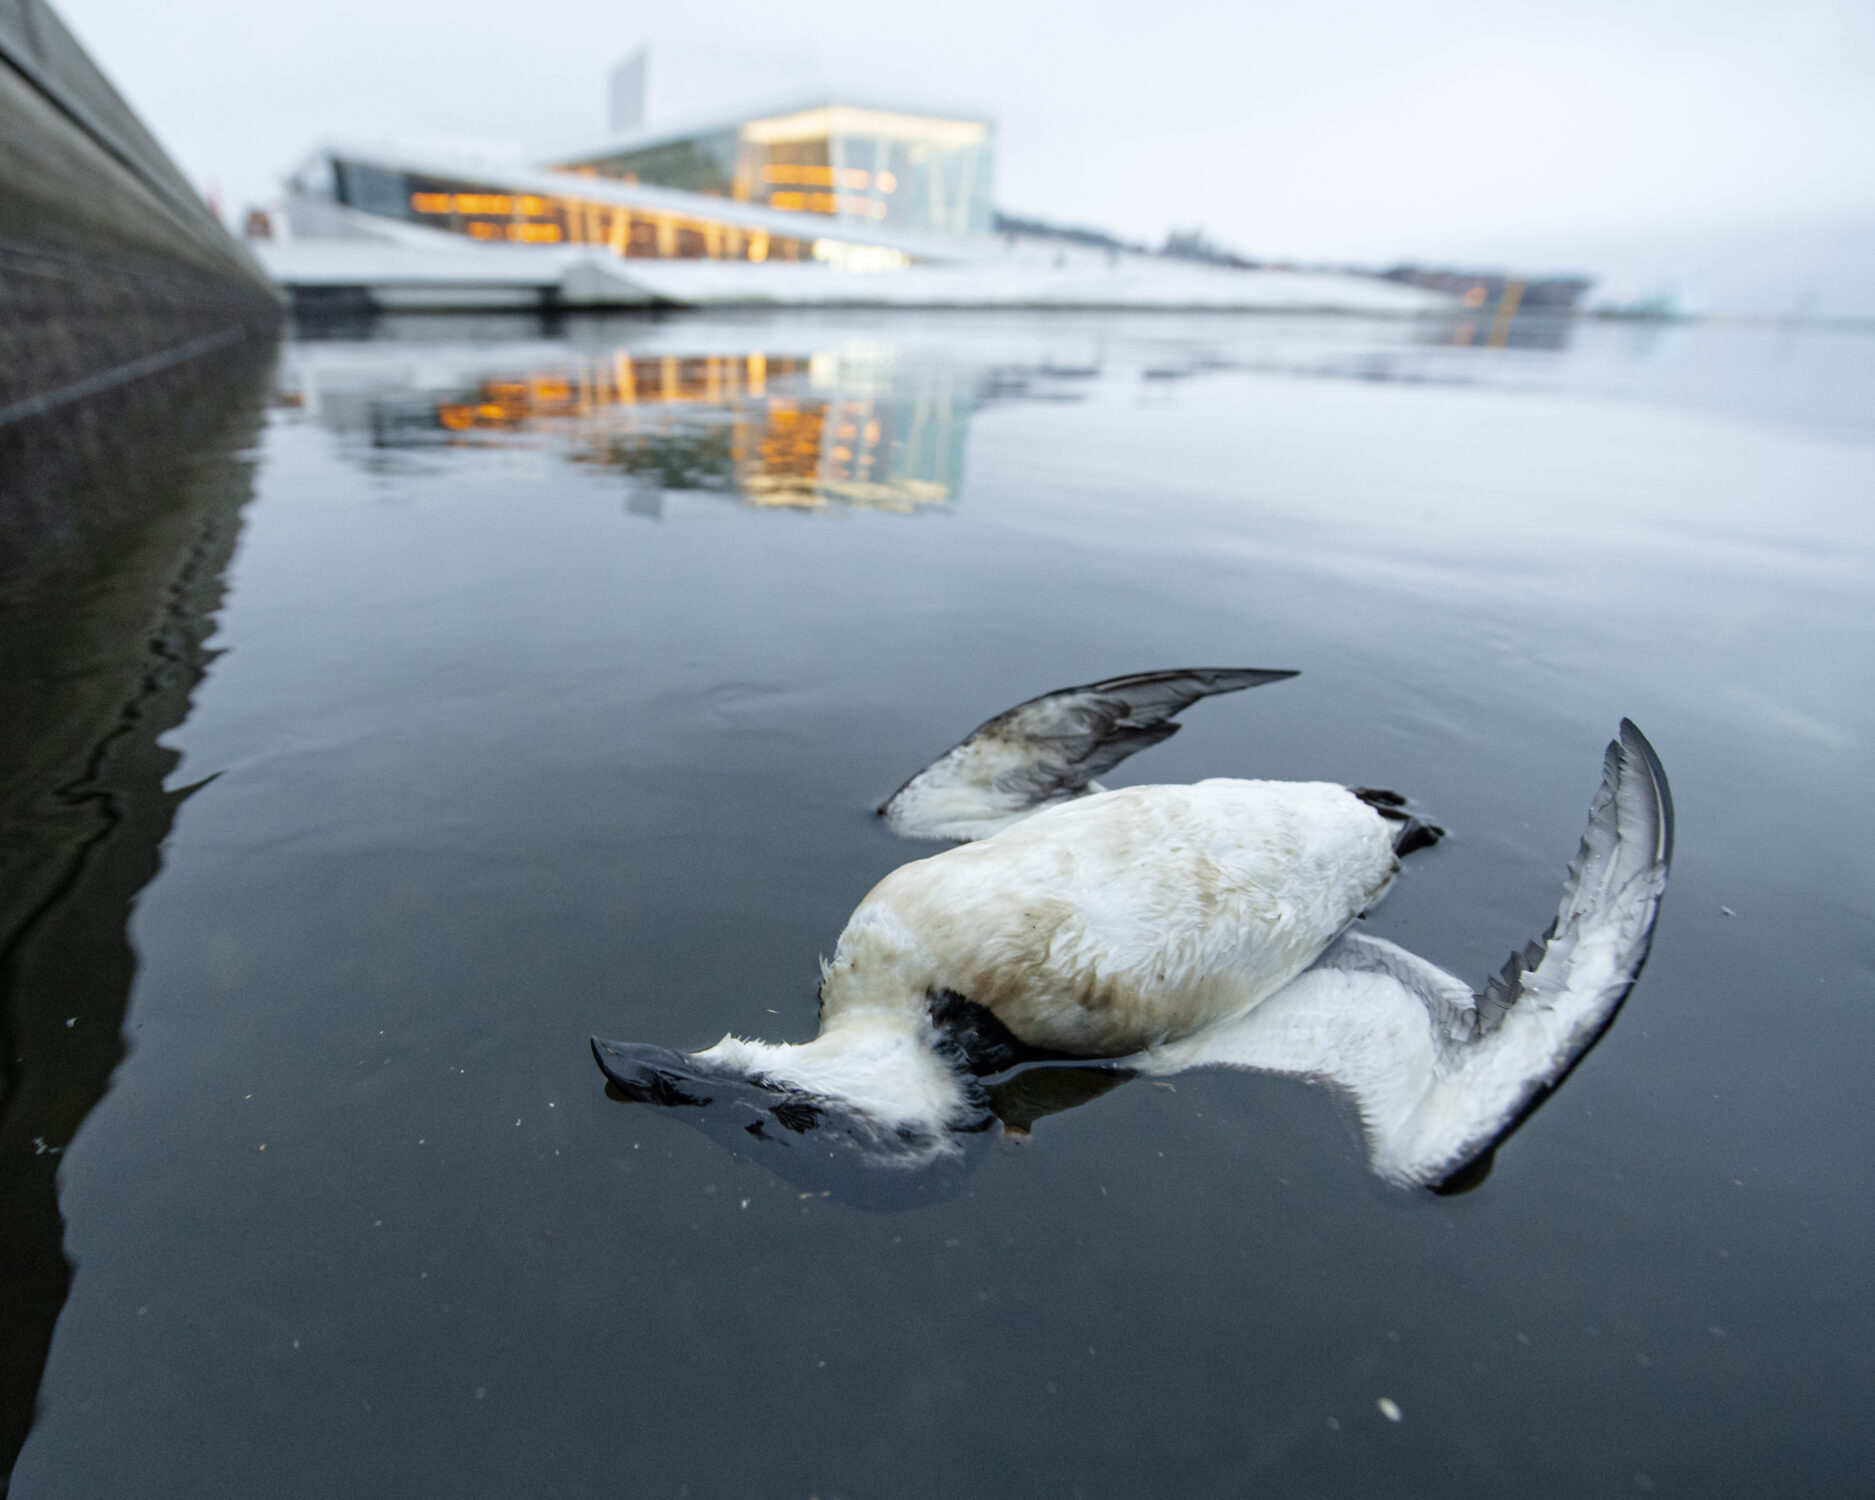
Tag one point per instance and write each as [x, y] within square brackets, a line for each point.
[556, 674]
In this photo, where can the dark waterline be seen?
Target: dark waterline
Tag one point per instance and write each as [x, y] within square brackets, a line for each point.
[556, 674]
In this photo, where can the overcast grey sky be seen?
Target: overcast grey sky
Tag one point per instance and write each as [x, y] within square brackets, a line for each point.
[1726, 144]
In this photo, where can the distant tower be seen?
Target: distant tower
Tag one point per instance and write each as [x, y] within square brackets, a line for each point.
[625, 93]
[674, 82]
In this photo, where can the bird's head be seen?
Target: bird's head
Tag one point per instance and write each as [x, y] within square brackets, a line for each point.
[814, 1134]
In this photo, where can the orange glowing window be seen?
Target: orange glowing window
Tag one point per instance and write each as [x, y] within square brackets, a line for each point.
[484, 231]
[430, 203]
[534, 234]
[806, 176]
[886, 183]
[829, 203]
[484, 203]
[816, 176]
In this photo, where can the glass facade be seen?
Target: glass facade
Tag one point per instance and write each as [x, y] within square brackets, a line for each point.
[500, 216]
[919, 174]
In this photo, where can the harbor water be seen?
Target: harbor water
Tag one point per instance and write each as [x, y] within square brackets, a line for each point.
[502, 681]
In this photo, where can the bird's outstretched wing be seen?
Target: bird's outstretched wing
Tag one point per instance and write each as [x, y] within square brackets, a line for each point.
[1050, 749]
[1440, 1074]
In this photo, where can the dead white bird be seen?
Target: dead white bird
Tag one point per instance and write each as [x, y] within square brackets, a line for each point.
[1163, 928]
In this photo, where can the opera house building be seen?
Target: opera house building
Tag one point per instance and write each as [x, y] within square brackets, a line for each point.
[719, 186]
[854, 185]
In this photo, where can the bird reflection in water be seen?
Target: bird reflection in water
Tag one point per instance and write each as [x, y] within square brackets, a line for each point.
[824, 1149]
[1150, 931]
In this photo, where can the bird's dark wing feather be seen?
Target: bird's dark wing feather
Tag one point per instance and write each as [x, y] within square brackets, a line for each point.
[1051, 748]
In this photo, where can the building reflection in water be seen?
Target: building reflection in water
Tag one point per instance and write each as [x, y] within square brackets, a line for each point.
[1511, 328]
[794, 431]
[866, 423]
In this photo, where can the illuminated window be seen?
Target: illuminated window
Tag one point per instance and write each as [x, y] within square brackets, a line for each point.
[541, 219]
[811, 175]
[842, 119]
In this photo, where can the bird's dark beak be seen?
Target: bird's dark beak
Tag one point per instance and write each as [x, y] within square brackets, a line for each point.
[651, 1075]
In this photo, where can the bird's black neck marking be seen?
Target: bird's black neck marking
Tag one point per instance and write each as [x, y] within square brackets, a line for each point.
[1414, 833]
[974, 1040]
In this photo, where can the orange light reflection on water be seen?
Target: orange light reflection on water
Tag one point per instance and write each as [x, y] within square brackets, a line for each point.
[800, 452]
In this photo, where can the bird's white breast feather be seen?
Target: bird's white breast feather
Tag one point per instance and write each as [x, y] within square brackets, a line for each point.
[1125, 918]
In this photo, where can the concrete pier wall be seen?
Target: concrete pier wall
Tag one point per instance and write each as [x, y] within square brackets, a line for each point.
[111, 267]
